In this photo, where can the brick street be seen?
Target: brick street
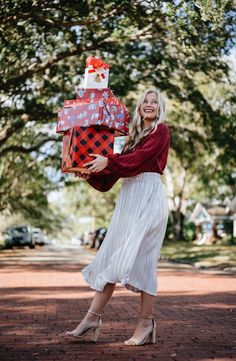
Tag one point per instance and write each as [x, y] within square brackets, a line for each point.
[43, 294]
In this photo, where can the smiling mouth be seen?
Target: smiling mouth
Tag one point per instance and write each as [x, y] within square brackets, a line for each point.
[148, 110]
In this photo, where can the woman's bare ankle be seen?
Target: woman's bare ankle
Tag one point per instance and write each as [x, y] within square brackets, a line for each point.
[91, 316]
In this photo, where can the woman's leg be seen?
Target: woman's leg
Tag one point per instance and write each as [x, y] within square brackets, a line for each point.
[98, 303]
[101, 298]
[143, 325]
[147, 304]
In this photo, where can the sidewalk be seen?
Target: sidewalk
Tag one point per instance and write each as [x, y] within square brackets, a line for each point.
[194, 311]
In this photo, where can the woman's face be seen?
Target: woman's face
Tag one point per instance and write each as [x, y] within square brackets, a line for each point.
[149, 108]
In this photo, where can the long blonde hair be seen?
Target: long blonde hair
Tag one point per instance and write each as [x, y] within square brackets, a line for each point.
[136, 131]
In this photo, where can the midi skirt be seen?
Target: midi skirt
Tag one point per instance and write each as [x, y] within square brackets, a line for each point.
[131, 248]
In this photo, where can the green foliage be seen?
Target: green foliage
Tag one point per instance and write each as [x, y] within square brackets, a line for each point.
[189, 231]
[79, 200]
[228, 241]
[204, 256]
[177, 46]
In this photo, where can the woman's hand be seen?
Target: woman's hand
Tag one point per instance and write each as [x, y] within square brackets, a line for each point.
[82, 175]
[98, 164]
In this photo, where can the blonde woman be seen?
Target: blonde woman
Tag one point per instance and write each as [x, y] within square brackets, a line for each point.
[131, 248]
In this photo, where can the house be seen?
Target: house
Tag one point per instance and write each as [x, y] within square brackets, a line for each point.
[214, 221]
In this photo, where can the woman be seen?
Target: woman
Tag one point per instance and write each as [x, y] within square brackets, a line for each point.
[131, 248]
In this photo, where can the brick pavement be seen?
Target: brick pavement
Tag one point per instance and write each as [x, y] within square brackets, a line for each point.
[194, 311]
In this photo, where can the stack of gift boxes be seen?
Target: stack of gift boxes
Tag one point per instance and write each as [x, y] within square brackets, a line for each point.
[90, 122]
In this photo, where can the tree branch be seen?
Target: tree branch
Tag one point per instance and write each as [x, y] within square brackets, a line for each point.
[69, 24]
[34, 69]
[52, 22]
[40, 67]
[22, 149]
[9, 130]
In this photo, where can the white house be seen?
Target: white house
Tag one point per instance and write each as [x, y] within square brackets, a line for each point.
[214, 220]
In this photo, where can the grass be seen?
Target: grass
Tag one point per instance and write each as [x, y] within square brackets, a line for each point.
[205, 256]
[2, 243]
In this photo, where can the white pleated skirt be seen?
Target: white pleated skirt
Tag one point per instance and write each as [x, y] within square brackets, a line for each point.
[131, 248]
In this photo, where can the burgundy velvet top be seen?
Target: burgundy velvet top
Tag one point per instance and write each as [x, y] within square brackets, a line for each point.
[150, 155]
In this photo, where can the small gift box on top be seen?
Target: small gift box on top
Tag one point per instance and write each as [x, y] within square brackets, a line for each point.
[96, 73]
[90, 122]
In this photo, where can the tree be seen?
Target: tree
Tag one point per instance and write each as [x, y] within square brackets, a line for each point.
[43, 49]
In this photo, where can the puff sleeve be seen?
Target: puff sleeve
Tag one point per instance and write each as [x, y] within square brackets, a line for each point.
[151, 148]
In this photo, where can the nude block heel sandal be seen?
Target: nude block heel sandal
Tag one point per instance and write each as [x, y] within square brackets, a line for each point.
[150, 337]
[95, 329]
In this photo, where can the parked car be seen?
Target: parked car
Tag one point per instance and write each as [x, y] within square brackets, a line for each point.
[97, 237]
[19, 236]
[38, 236]
[100, 236]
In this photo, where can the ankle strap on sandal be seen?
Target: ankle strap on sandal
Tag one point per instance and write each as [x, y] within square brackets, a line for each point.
[146, 318]
[94, 313]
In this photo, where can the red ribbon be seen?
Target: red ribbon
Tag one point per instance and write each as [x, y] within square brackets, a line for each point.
[96, 63]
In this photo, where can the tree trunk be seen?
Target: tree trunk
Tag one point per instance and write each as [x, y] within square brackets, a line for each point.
[178, 222]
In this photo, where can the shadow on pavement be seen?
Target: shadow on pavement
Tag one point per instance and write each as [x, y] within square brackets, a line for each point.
[189, 327]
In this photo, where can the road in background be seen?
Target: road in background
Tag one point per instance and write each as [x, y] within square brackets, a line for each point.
[43, 294]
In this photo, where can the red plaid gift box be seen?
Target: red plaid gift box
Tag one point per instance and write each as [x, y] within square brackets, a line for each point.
[79, 142]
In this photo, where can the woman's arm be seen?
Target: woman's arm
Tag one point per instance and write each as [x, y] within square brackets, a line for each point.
[131, 164]
[102, 182]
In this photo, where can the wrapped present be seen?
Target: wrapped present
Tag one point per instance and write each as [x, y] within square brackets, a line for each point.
[79, 142]
[96, 73]
[94, 107]
[84, 95]
[106, 113]
[90, 122]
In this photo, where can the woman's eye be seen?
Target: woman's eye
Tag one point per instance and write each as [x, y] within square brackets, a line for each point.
[145, 101]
